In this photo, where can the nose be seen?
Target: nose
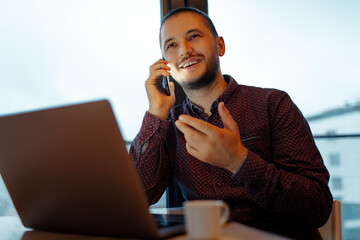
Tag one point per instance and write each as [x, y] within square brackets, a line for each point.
[185, 48]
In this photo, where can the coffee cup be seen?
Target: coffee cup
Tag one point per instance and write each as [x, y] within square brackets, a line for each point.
[204, 218]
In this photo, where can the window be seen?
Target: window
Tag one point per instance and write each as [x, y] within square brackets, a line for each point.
[60, 52]
[309, 49]
[336, 183]
[334, 159]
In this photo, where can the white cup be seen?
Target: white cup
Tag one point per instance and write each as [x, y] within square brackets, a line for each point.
[204, 218]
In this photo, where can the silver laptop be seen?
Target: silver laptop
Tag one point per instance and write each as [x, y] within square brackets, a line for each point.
[67, 170]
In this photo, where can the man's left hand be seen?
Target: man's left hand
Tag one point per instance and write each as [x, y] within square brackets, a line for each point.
[220, 147]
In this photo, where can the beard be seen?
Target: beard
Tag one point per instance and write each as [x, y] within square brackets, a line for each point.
[206, 79]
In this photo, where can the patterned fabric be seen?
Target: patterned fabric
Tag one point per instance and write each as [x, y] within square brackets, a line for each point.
[281, 187]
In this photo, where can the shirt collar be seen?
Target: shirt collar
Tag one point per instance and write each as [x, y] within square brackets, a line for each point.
[224, 97]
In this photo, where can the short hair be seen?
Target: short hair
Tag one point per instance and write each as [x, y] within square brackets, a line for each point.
[189, 9]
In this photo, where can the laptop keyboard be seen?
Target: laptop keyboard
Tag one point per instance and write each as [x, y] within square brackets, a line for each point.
[166, 220]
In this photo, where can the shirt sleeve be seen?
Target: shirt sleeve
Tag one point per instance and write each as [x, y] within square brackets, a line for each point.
[294, 182]
[150, 156]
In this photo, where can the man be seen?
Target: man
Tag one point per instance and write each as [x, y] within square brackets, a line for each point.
[248, 146]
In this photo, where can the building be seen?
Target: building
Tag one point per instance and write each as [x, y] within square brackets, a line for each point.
[337, 135]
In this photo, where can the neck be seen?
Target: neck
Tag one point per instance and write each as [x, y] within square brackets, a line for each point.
[204, 97]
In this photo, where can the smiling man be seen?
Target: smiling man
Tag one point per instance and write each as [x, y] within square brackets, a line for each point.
[250, 147]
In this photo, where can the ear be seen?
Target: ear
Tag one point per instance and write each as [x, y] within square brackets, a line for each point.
[220, 46]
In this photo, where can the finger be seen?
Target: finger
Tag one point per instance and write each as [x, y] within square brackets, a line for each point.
[160, 61]
[160, 67]
[153, 78]
[159, 73]
[192, 136]
[199, 125]
[229, 122]
[160, 64]
[193, 151]
[172, 88]
[184, 128]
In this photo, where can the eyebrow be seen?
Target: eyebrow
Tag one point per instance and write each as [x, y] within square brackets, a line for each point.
[188, 32]
[194, 30]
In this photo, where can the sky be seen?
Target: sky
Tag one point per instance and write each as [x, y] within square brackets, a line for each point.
[61, 52]
[309, 48]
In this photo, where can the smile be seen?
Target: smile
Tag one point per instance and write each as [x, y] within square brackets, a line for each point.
[191, 63]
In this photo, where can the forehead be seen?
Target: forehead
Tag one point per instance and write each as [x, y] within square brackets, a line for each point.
[182, 22]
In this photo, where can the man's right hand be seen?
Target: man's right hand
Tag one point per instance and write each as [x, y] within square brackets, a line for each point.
[159, 103]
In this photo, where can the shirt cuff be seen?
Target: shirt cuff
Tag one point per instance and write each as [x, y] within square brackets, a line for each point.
[253, 170]
[234, 174]
[151, 125]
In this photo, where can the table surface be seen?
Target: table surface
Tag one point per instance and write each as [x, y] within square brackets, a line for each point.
[12, 229]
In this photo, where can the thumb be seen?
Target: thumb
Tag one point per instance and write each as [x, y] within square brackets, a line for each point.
[229, 122]
[172, 88]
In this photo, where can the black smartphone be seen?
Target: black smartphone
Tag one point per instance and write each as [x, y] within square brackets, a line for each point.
[163, 83]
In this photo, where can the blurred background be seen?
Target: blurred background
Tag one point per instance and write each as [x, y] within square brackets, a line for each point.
[62, 52]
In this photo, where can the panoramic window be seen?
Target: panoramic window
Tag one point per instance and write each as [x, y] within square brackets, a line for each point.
[309, 49]
[62, 52]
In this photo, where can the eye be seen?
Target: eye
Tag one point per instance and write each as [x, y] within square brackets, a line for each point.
[195, 35]
[170, 45]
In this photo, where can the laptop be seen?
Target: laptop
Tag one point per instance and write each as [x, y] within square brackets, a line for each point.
[67, 170]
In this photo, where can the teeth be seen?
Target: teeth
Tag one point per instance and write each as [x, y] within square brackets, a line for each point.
[190, 63]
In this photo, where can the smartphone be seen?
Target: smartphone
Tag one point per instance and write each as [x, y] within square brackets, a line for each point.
[163, 84]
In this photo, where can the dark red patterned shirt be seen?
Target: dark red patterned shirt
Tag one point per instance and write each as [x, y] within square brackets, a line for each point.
[281, 187]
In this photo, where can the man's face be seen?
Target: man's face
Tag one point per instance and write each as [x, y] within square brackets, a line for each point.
[191, 49]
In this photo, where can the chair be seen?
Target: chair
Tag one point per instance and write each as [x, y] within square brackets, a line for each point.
[332, 228]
